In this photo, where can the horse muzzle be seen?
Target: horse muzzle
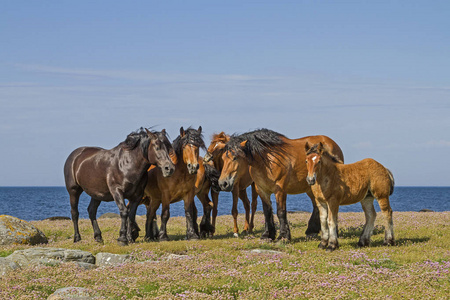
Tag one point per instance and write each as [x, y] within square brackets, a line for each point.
[311, 180]
[168, 170]
[193, 168]
[227, 184]
[207, 157]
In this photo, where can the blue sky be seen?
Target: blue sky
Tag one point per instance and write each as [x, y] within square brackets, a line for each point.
[374, 76]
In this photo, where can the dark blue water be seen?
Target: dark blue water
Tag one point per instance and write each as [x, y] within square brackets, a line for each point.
[38, 203]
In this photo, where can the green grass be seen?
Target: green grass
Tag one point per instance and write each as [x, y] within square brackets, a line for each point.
[224, 267]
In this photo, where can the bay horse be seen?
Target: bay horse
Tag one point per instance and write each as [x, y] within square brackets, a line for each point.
[334, 183]
[180, 186]
[115, 175]
[277, 166]
[238, 189]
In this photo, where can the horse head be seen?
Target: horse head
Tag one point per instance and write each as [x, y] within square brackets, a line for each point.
[313, 161]
[234, 162]
[188, 145]
[216, 147]
[158, 152]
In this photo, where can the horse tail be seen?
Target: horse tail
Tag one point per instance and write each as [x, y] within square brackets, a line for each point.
[391, 178]
[212, 175]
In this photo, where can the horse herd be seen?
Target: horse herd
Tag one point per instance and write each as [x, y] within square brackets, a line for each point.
[147, 169]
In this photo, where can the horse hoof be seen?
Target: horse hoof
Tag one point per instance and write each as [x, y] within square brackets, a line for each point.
[236, 235]
[99, 240]
[312, 236]
[389, 243]
[330, 249]
[363, 244]
[122, 243]
[322, 246]
[76, 239]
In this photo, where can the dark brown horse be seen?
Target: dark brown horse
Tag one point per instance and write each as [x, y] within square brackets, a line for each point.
[116, 175]
[179, 186]
[277, 165]
[334, 184]
[238, 188]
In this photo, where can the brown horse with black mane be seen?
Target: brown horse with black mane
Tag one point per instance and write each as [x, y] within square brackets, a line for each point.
[239, 187]
[179, 186]
[277, 165]
[334, 184]
[116, 175]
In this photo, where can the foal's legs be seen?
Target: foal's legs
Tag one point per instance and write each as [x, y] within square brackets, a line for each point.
[92, 210]
[206, 229]
[191, 217]
[370, 214]
[333, 209]
[314, 221]
[74, 194]
[215, 200]
[323, 210]
[387, 212]
[234, 210]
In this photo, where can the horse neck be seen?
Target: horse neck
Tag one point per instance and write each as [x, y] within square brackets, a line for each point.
[138, 160]
[329, 170]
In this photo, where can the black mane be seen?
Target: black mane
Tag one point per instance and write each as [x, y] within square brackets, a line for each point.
[192, 137]
[259, 143]
[141, 138]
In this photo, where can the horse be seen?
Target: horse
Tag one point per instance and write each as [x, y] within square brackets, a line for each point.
[276, 166]
[334, 183]
[115, 175]
[180, 186]
[242, 180]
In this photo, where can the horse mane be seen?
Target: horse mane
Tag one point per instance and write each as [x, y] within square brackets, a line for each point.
[325, 151]
[220, 138]
[259, 143]
[141, 138]
[192, 137]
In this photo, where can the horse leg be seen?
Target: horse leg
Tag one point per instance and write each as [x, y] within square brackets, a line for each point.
[387, 212]
[92, 210]
[314, 221]
[120, 202]
[333, 209]
[133, 228]
[150, 222]
[254, 207]
[285, 232]
[246, 203]
[165, 215]
[206, 228]
[270, 230]
[191, 217]
[215, 200]
[194, 217]
[234, 210]
[74, 199]
[323, 211]
[370, 214]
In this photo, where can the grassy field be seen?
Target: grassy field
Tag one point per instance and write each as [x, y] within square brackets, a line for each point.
[226, 267]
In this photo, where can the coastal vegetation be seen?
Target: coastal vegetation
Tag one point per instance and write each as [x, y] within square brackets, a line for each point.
[226, 267]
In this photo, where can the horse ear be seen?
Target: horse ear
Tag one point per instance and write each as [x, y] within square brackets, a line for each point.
[243, 143]
[182, 131]
[320, 148]
[150, 134]
[199, 129]
[307, 147]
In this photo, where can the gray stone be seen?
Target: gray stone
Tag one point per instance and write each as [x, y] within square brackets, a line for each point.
[49, 256]
[7, 266]
[71, 293]
[264, 251]
[17, 231]
[109, 215]
[176, 256]
[108, 259]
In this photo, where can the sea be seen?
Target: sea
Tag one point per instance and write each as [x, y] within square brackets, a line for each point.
[38, 203]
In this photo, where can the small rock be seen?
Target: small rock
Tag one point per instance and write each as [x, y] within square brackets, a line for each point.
[17, 231]
[108, 259]
[177, 256]
[56, 218]
[7, 266]
[109, 215]
[264, 251]
[71, 293]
